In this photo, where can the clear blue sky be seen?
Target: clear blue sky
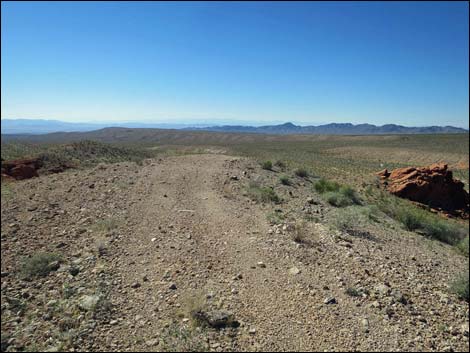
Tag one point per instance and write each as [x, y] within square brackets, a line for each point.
[310, 63]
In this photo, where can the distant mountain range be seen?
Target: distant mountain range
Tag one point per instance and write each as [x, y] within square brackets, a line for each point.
[337, 129]
[36, 126]
[41, 126]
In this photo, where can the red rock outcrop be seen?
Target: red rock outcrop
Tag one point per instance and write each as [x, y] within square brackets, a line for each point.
[433, 186]
[21, 168]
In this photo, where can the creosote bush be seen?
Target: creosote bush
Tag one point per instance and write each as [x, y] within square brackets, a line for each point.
[301, 172]
[267, 165]
[39, 265]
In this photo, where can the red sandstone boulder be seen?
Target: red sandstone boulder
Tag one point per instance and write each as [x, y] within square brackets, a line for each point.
[433, 186]
[21, 168]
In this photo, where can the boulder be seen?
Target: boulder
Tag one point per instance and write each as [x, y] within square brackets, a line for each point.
[21, 168]
[433, 186]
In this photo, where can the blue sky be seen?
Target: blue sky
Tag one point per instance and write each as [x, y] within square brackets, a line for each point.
[309, 63]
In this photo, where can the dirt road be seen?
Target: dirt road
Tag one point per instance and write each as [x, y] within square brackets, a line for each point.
[187, 236]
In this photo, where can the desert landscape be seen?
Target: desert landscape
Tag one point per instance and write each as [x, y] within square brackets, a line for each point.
[252, 243]
[240, 176]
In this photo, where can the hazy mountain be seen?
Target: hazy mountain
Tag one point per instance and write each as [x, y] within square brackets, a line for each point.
[40, 126]
[336, 129]
[36, 126]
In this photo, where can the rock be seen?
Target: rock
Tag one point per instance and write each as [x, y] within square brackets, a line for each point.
[433, 186]
[152, 342]
[252, 331]
[261, 264]
[74, 271]
[382, 289]
[89, 302]
[135, 285]
[365, 325]
[54, 265]
[215, 318]
[20, 169]
[330, 300]
[294, 271]
[172, 286]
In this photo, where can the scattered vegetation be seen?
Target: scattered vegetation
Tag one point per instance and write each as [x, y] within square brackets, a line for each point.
[39, 265]
[336, 194]
[301, 234]
[460, 286]
[268, 165]
[176, 338]
[105, 225]
[324, 185]
[352, 220]
[275, 218]
[262, 194]
[463, 246]
[415, 218]
[6, 191]
[353, 292]
[280, 164]
[301, 172]
[80, 154]
[284, 179]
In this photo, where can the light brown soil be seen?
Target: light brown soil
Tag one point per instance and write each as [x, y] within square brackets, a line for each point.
[184, 221]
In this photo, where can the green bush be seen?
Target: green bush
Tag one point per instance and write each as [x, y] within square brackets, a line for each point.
[463, 246]
[39, 265]
[262, 194]
[301, 172]
[460, 286]
[415, 218]
[351, 220]
[285, 180]
[268, 165]
[345, 196]
[324, 185]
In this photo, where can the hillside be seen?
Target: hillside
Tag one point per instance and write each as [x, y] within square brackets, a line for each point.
[194, 252]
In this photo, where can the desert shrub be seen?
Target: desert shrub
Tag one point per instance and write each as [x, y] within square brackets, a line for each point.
[324, 185]
[284, 179]
[415, 218]
[353, 292]
[460, 286]
[280, 164]
[300, 233]
[176, 338]
[275, 218]
[352, 220]
[301, 172]
[39, 265]
[262, 194]
[267, 165]
[463, 246]
[345, 196]
[106, 225]
[6, 191]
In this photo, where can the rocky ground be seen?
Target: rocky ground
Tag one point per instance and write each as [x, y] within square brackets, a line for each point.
[174, 255]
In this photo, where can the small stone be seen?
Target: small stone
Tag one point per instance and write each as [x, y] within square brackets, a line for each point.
[252, 331]
[365, 325]
[330, 300]
[261, 264]
[153, 240]
[172, 286]
[152, 342]
[135, 285]
[294, 271]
